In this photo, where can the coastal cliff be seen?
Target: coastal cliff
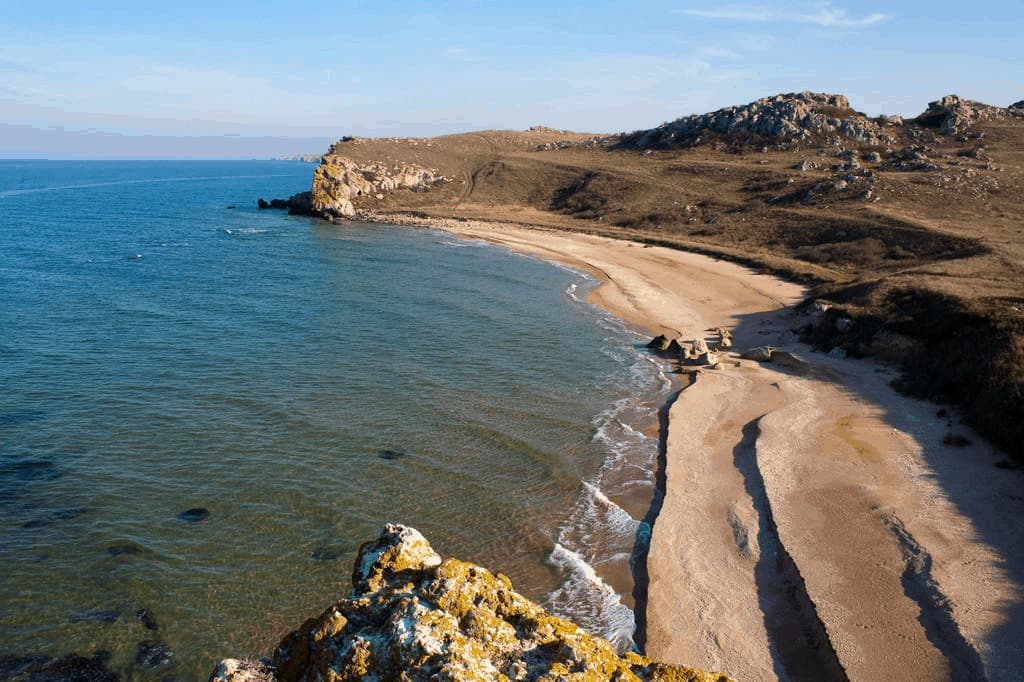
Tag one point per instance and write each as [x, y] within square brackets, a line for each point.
[415, 616]
[338, 180]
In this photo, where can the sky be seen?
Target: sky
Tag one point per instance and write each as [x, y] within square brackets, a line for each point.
[201, 79]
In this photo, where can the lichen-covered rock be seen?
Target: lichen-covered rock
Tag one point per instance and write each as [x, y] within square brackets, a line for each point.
[339, 180]
[412, 616]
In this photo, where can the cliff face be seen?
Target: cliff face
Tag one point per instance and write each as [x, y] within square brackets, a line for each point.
[338, 180]
[413, 616]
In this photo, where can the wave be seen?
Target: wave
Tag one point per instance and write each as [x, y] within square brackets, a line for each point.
[599, 532]
[583, 586]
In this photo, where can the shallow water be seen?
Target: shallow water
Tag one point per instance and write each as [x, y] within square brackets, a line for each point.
[303, 383]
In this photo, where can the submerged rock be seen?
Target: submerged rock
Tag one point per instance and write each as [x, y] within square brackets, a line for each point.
[413, 616]
[195, 515]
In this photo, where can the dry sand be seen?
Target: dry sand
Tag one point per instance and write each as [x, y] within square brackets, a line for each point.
[814, 523]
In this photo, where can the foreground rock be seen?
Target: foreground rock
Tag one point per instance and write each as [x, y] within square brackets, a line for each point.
[413, 616]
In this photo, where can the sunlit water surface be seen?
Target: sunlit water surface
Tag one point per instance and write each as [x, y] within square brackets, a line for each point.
[303, 383]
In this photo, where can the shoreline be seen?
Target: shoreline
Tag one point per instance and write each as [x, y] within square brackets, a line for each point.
[815, 523]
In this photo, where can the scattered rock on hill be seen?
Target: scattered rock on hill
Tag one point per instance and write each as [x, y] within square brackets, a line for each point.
[413, 616]
[785, 118]
[954, 115]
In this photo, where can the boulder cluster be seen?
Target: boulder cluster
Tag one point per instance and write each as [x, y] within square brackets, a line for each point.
[296, 204]
[784, 118]
[415, 616]
[954, 115]
[338, 180]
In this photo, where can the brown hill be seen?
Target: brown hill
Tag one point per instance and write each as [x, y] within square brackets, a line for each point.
[913, 229]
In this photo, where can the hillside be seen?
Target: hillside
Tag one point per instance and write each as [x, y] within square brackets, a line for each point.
[911, 229]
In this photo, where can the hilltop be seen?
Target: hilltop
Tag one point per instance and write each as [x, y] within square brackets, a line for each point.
[911, 228]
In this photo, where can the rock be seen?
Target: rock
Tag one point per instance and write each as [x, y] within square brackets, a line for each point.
[71, 667]
[759, 353]
[234, 670]
[837, 352]
[698, 347]
[148, 619]
[873, 157]
[724, 337]
[791, 117]
[659, 343]
[844, 324]
[675, 348]
[96, 616]
[124, 548]
[300, 204]
[338, 181]
[806, 165]
[412, 616]
[195, 515]
[153, 653]
[953, 115]
[297, 204]
[911, 158]
[708, 357]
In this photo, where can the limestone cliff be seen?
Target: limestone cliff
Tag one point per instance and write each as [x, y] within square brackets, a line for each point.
[339, 180]
[413, 616]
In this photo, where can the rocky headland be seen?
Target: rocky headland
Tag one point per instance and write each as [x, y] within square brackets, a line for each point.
[415, 616]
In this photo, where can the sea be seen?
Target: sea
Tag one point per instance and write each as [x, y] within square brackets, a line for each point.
[206, 408]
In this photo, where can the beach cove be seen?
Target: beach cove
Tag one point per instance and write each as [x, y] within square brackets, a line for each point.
[815, 524]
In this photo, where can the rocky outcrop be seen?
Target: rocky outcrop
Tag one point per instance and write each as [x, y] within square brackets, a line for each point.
[783, 118]
[296, 204]
[414, 616]
[954, 115]
[338, 181]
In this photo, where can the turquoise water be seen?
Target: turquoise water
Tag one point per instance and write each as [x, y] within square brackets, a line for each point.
[303, 383]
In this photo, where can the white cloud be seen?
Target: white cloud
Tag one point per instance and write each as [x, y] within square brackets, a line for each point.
[838, 17]
[827, 16]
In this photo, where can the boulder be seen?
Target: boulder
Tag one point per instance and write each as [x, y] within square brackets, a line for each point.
[659, 343]
[413, 616]
[953, 115]
[759, 353]
[300, 204]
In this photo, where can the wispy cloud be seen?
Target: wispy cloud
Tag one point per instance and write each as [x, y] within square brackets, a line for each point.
[827, 16]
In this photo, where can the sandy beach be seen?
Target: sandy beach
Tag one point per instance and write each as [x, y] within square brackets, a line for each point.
[815, 523]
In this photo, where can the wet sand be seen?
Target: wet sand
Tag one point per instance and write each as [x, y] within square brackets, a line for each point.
[814, 523]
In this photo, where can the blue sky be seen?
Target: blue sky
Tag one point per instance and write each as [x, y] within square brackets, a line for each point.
[125, 76]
